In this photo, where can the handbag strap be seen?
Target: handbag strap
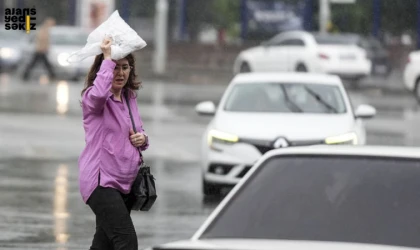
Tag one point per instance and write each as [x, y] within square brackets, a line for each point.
[131, 116]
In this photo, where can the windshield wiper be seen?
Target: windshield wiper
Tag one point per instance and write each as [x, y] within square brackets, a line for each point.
[292, 106]
[321, 100]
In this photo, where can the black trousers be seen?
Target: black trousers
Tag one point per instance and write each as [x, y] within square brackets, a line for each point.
[38, 56]
[114, 227]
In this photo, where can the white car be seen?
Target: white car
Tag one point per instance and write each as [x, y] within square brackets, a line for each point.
[10, 49]
[307, 52]
[64, 41]
[262, 111]
[412, 74]
[319, 197]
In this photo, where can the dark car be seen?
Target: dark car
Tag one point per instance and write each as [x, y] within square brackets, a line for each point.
[381, 64]
[319, 197]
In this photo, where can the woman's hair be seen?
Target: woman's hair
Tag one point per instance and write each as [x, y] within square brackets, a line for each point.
[131, 81]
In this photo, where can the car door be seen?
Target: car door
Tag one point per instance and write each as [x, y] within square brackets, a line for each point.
[296, 53]
[283, 54]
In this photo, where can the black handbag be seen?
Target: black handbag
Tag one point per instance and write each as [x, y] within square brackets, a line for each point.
[143, 188]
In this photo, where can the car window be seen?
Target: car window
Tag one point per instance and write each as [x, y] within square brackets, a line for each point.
[69, 39]
[11, 35]
[285, 98]
[343, 199]
[290, 42]
[335, 39]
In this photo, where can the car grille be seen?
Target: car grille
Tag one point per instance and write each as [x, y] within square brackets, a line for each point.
[244, 171]
[226, 168]
[263, 149]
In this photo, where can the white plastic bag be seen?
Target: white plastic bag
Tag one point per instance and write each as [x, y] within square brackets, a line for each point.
[124, 40]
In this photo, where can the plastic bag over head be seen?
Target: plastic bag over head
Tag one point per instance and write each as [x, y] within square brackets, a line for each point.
[124, 40]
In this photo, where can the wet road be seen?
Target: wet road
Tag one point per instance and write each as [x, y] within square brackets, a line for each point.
[41, 137]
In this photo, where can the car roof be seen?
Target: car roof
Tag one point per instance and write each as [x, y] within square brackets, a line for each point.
[294, 32]
[286, 77]
[344, 34]
[349, 150]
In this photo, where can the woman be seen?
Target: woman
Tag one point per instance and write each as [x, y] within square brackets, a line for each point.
[109, 163]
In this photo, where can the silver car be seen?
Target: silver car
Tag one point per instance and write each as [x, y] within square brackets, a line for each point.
[10, 49]
[64, 41]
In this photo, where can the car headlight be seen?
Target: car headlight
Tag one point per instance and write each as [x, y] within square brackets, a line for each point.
[6, 53]
[221, 137]
[62, 59]
[347, 138]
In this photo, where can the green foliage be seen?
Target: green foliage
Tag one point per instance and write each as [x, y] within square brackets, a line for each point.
[399, 16]
[353, 17]
[396, 16]
[226, 13]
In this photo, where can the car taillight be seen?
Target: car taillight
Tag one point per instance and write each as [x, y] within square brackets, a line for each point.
[323, 56]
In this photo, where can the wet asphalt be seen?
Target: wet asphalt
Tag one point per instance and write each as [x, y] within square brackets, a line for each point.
[41, 137]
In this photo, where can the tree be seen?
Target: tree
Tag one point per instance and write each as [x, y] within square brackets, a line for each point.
[198, 13]
[355, 18]
[399, 16]
[226, 13]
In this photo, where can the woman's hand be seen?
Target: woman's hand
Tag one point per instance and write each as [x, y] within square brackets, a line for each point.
[106, 47]
[137, 139]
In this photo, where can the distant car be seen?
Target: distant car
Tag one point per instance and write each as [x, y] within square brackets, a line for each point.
[64, 40]
[262, 111]
[319, 197]
[412, 74]
[381, 64]
[306, 52]
[10, 49]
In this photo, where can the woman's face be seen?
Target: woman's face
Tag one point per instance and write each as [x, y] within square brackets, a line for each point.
[121, 74]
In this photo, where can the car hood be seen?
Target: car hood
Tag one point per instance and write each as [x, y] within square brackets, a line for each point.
[248, 244]
[11, 44]
[293, 126]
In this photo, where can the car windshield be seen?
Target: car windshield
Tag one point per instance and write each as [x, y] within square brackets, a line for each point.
[285, 98]
[72, 38]
[338, 199]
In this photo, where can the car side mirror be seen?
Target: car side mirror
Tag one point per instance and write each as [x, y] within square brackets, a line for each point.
[205, 108]
[365, 111]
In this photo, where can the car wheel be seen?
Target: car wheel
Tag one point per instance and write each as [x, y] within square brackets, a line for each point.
[245, 68]
[301, 68]
[210, 189]
[417, 90]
